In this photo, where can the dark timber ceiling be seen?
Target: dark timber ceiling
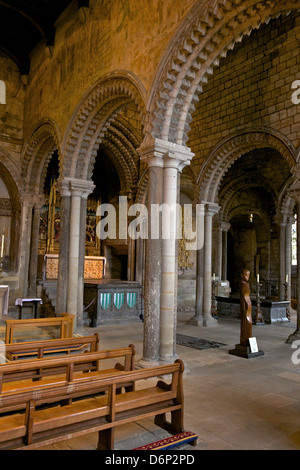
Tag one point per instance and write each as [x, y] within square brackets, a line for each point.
[24, 23]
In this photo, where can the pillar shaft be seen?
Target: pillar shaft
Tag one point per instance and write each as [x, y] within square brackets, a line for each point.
[298, 263]
[33, 263]
[169, 271]
[165, 159]
[282, 247]
[79, 191]
[295, 194]
[74, 253]
[288, 254]
[63, 262]
[152, 273]
[210, 211]
[81, 259]
[25, 243]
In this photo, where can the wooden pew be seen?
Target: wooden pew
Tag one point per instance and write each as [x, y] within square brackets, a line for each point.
[42, 425]
[25, 350]
[19, 375]
[65, 322]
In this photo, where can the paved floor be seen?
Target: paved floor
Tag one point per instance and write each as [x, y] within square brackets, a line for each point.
[230, 402]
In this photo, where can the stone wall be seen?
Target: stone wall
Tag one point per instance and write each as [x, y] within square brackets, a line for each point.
[251, 88]
[112, 36]
[12, 112]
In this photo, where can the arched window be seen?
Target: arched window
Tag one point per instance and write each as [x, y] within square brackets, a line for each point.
[294, 242]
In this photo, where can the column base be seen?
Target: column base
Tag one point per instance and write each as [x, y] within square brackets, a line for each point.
[210, 321]
[168, 359]
[244, 351]
[197, 320]
[144, 364]
[293, 337]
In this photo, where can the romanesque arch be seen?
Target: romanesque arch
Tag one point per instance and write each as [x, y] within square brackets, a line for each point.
[44, 140]
[243, 183]
[228, 151]
[10, 176]
[205, 36]
[95, 123]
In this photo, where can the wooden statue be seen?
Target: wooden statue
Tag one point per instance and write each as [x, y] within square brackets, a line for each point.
[243, 349]
[245, 308]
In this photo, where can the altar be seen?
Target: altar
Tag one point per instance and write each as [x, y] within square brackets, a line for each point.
[94, 267]
[112, 301]
[272, 310]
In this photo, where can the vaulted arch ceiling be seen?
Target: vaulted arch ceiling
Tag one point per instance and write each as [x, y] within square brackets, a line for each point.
[261, 171]
[226, 153]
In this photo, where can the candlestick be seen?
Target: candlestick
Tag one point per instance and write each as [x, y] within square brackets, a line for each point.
[258, 278]
[214, 277]
[2, 245]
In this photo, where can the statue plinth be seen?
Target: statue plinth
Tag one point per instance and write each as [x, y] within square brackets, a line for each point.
[242, 350]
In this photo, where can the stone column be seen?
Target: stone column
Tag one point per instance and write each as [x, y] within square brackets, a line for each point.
[139, 261]
[219, 253]
[198, 317]
[81, 258]
[225, 226]
[26, 223]
[64, 239]
[282, 247]
[288, 253]
[168, 269]
[175, 159]
[79, 189]
[165, 160]
[152, 267]
[210, 210]
[35, 230]
[131, 259]
[295, 194]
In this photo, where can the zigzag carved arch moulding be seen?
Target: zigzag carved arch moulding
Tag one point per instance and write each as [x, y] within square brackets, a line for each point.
[121, 144]
[44, 140]
[93, 116]
[210, 30]
[226, 153]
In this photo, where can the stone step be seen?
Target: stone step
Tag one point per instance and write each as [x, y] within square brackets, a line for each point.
[50, 289]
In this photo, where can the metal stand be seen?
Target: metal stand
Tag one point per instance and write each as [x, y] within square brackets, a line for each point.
[286, 284]
[214, 305]
[259, 319]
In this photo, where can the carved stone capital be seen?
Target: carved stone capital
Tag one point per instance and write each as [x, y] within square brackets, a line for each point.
[75, 187]
[211, 209]
[164, 154]
[294, 191]
[224, 226]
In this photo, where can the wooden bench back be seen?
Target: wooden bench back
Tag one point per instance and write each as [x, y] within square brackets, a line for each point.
[101, 414]
[67, 365]
[91, 385]
[65, 322]
[13, 351]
